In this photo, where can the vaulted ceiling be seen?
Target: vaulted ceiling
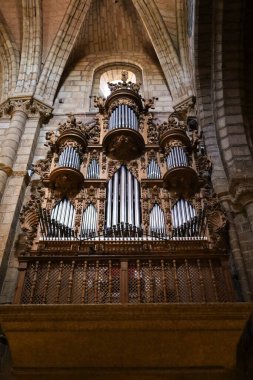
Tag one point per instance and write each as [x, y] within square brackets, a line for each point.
[71, 30]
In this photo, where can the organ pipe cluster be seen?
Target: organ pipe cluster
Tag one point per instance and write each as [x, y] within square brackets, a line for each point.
[123, 199]
[89, 222]
[123, 116]
[123, 107]
[153, 170]
[69, 158]
[177, 157]
[93, 170]
[70, 143]
[157, 221]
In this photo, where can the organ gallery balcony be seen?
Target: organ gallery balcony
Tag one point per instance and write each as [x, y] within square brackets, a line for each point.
[100, 280]
[123, 141]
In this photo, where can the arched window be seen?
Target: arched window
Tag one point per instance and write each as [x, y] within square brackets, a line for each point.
[153, 170]
[89, 221]
[113, 75]
[157, 220]
[112, 72]
[93, 170]
[123, 199]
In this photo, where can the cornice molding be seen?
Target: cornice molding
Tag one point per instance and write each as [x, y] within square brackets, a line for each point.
[31, 106]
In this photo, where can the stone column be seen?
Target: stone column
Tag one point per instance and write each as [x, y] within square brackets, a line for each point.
[18, 108]
[16, 156]
[243, 205]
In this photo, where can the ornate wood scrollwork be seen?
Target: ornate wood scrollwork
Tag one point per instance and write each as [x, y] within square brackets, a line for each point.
[217, 224]
[152, 131]
[29, 218]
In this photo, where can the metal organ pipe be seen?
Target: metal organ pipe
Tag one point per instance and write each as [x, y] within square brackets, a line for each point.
[136, 203]
[115, 199]
[69, 158]
[93, 170]
[63, 213]
[123, 116]
[89, 221]
[177, 157]
[157, 220]
[123, 194]
[123, 203]
[153, 170]
[130, 198]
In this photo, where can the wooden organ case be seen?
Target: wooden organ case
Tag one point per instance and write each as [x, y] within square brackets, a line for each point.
[124, 211]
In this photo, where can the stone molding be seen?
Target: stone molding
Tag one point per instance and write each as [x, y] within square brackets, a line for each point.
[7, 169]
[186, 108]
[27, 104]
[241, 190]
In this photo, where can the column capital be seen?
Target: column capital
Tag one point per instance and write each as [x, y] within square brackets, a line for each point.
[186, 108]
[31, 106]
[241, 190]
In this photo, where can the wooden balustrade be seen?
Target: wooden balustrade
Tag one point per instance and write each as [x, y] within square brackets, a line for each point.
[149, 279]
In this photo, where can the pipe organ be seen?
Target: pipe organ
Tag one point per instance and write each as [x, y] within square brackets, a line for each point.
[89, 222]
[157, 221]
[182, 212]
[121, 195]
[123, 116]
[93, 170]
[153, 170]
[68, 147]
[69, 158]
[123, 140]
[123, 200]
[177, 157]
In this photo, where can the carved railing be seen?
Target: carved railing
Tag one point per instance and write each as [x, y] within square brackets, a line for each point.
[96, 280]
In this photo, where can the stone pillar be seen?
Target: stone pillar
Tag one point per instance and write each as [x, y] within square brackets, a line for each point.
[16, 156]
[242, 191]
[237, 253]
[18, 108]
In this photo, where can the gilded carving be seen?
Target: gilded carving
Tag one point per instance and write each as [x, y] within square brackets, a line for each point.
[152, 132]
[217, 224]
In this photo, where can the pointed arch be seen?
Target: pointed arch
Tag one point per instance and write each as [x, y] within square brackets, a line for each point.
[9, 56]
[178, 81]
[61, 49]
[31, 47]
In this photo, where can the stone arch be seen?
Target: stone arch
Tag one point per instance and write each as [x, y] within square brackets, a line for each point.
[91, 63]
[9, 58]
[31, 47]
[61, 49]
[112, 69]
[177, 79]
[203, 64]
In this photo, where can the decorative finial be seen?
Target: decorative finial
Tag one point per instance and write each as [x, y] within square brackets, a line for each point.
[124, 76]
